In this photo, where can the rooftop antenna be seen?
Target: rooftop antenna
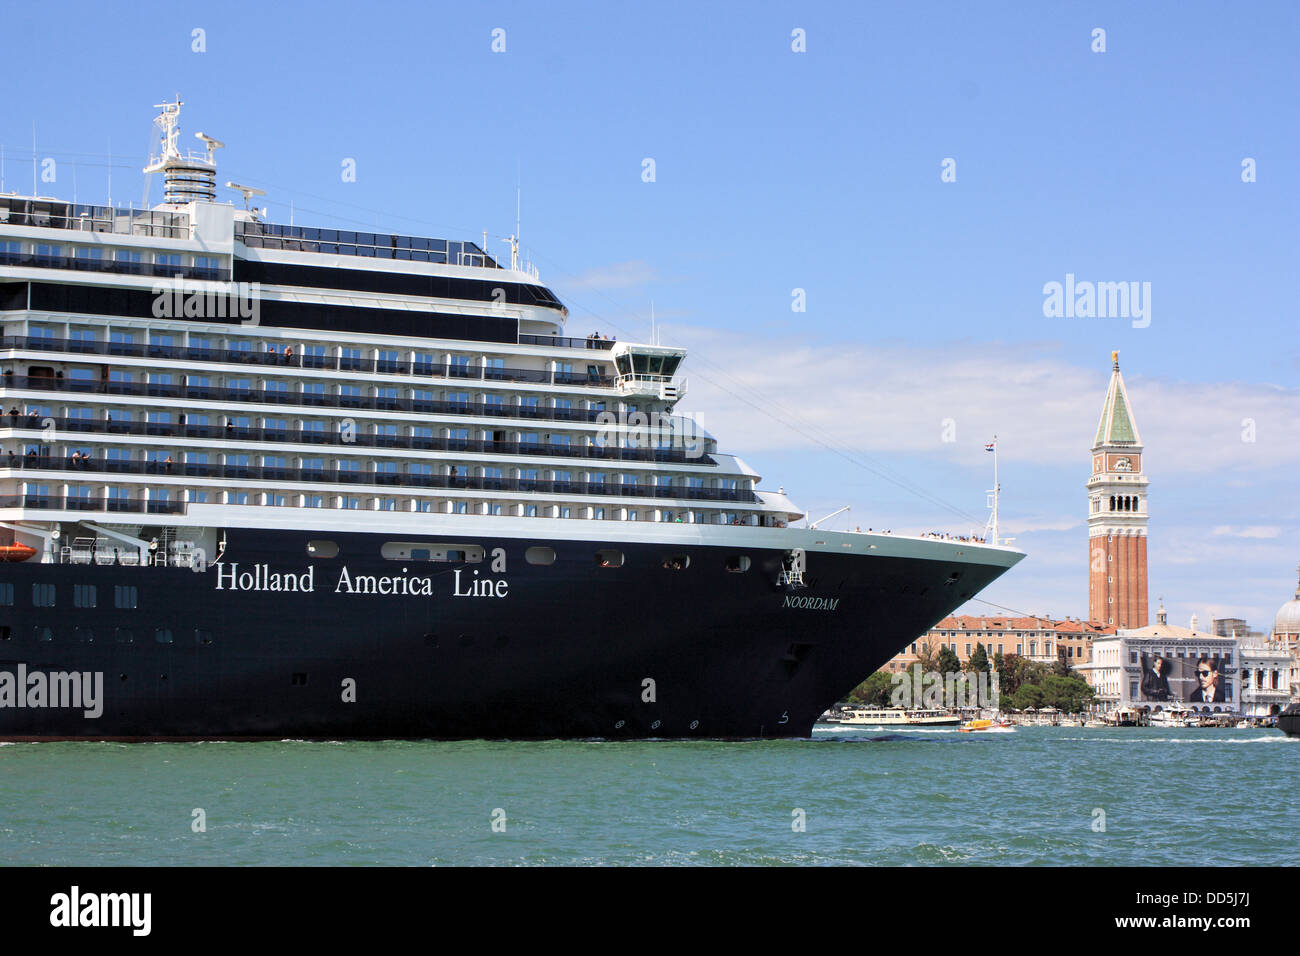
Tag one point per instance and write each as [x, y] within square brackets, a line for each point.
[185, 178]
[35, 191]
[248, 191]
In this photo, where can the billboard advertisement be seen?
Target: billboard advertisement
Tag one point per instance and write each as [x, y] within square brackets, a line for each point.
[1185, 680]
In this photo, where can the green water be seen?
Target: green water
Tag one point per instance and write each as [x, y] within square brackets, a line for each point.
[1190, 796]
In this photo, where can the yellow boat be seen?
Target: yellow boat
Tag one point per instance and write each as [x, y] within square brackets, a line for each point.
[973, 725]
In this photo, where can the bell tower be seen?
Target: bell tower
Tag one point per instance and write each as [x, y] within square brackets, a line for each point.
[1117, 515]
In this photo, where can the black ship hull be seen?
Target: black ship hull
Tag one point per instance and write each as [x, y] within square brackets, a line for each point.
[269, 643]
[1289, 721]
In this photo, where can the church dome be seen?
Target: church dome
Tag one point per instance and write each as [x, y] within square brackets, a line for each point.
[1288, 616]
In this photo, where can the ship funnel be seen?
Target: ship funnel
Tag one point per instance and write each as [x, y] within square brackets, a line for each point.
[185, 178]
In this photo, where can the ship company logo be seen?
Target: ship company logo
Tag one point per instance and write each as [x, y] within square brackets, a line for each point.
[76, 909]
[178, 299]
[74, 690]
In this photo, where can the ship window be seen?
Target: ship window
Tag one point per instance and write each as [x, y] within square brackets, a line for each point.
[85, 635]
[162, 635]
[123, 635]
[42, 633]
[124, 596]
[202, 637]
[43, 595]
[83, 595]
[322, 549]
[4, 632]
[540, 555]
[609, 558]
[431, 551]
[298, 680]
[677, 562]
[6, 594]
[737, 563]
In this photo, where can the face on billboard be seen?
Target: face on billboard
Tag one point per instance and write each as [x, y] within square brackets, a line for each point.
[1191, 680]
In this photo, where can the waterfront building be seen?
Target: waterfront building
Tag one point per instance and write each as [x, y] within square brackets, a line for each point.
[1117, 514]
[1164, 667]
[1041, 639]
[1265, 676]
[1286, 632]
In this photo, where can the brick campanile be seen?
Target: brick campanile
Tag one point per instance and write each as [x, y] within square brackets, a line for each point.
[1117, 515]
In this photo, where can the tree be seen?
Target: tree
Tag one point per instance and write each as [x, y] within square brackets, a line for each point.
[947, 661]
[1028, 695]
[1061, 668]
[928, 657]
[1071, 694]
[979, 660]
[875, 691]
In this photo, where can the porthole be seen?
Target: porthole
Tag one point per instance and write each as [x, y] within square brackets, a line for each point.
[609, 558]
[737, 563]
[322, 549]
[85, 635]
[540, 555]
[123, 635]
[202, 637]
[42, 633]
[677, 562]
[162, 635]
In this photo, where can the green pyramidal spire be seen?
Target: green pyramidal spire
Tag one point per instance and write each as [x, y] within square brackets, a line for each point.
[1116, 426]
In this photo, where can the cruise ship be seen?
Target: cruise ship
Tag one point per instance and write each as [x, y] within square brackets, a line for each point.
[261, 481]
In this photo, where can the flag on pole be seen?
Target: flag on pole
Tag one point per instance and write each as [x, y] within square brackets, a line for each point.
[991, 445]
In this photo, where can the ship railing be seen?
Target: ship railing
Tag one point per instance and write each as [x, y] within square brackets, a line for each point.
[684, 451]
[371, 245]
[79, 217]
[250, 472]
[276, 358]
[47, 502]
[86, 263]
[559, 341]
[272, 397]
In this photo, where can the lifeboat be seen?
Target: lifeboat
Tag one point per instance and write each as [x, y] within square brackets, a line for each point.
[16, 552]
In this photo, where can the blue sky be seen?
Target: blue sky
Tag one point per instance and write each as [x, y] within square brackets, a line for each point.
[777, 170]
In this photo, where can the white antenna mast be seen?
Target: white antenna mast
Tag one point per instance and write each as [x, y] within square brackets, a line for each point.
[993, 495]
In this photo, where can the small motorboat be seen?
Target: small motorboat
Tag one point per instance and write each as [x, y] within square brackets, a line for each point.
[974, 726]
[16, 552]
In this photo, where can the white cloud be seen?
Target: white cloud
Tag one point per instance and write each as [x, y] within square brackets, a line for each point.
[619, 275]
[1248, 531]
[896, 399]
